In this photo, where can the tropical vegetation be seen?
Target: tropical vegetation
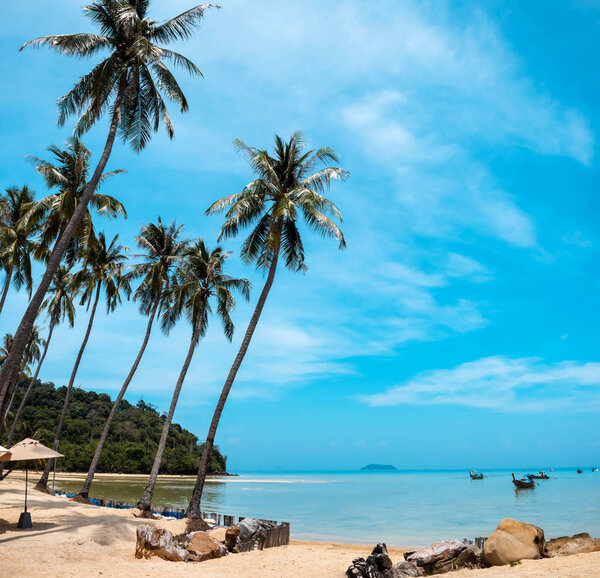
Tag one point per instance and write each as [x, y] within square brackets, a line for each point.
[162, 251]
[129, 83]
[102, 273]
[131, 444]
[169, 278]
[198, 281]
[287, 188]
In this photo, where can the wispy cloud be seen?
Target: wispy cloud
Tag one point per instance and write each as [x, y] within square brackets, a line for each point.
[501, 383]
[441, 188]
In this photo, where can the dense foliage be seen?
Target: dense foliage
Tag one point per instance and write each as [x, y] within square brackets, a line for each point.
[130, 447]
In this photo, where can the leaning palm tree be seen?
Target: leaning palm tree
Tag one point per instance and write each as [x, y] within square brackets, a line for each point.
[68, 174]
[18, 241]
[128, 83]
[102, 270]
[198, 281]
[285, 189]
[163, 251]
[59, 305]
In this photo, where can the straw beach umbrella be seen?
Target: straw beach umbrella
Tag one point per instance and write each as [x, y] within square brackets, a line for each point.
[26, 450]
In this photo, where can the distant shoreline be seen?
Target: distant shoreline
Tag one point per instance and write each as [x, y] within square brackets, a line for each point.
[82, 475]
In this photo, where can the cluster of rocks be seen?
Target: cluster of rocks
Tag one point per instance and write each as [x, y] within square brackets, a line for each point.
[438, 558]
[197, 546]
[510, 542]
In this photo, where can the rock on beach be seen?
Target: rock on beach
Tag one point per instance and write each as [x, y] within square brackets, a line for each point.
[512, 541]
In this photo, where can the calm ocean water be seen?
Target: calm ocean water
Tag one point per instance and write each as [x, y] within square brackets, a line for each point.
[399, 508]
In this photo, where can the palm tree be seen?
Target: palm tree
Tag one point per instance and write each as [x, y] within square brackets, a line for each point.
[163, 251]
[285, 188]
[102, 270]
[59, 304]
[198, 281]
[32, 354]
[17, 244]
[69, 175]
[53, 213]
[129, 84]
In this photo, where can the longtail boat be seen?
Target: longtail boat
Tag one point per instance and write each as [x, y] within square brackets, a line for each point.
[475, 475]
[538, 476]
[523, 482]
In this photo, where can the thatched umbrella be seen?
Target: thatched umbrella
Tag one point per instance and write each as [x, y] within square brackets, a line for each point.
[27, 450]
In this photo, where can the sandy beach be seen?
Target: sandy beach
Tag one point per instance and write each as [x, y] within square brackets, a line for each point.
[70, 539]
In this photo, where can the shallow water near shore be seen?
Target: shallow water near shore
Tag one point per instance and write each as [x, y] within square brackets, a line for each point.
[399, 508]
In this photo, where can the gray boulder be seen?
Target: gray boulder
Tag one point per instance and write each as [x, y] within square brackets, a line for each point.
[445, 556]
[253, 531]
[408, 570]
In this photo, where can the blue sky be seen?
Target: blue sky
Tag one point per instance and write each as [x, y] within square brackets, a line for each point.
[460, 328]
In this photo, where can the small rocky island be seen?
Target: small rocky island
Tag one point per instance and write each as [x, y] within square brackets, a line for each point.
[378, 467]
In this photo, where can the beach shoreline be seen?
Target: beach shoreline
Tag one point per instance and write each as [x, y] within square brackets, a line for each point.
[72, 539]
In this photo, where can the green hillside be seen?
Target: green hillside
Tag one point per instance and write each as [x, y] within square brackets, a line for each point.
[131, 445]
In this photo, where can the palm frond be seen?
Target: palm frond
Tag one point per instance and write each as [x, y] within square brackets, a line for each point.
[79, 45]
[181, 27]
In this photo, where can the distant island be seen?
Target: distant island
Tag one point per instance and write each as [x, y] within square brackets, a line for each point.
[378, 467]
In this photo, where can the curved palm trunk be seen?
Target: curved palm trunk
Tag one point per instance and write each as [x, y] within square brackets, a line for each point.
[85, 490]
[6, 286]
[10, 368]
[146, 499]
[41, 485]
[193, 510]
[17, 417]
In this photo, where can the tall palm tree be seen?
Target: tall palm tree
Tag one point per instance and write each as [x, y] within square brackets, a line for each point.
[198, 281]
[129, 84]
[17, 239]
[102, 270]
[68, 174]
[163, 251]
[285, 189]
[59, 305]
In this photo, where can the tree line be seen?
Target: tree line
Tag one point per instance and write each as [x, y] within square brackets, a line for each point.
[171, 278]
[131, 444]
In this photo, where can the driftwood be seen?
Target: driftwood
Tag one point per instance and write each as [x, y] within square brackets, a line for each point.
[153, 541]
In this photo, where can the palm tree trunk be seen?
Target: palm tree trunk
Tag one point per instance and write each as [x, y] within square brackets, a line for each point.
[6, 286]
[146, 499]
[17, 417]
[85, 490]
[41, 485]
[193, 510]
[10, 368]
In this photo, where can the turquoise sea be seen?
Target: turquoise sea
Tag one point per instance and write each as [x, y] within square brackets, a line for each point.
[401, 508]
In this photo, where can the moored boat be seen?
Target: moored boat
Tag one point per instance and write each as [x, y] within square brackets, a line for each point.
[538, 476]
[579, 471]
[523, 482]
[475, 475]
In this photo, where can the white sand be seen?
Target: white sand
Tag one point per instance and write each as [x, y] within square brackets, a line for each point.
[70, 539]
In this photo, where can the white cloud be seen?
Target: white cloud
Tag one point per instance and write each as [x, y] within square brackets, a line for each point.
[501, 383]
[442, 190]
[577, 239]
